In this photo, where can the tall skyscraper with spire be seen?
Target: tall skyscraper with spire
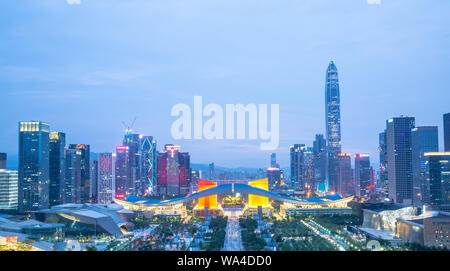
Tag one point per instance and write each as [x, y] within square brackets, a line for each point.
[333, 123]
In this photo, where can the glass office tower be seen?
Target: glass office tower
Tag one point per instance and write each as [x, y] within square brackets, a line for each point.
[57, 167]
[399, 159]
[85, 186]
[362, 175]
[333, 123]
[423, 139]
[439, 178]
[9, 189]
[34, 181]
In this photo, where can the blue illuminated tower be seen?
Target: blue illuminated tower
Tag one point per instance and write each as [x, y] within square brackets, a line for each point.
[333, 123]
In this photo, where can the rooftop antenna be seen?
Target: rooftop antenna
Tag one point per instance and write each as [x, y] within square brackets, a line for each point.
[129, 128]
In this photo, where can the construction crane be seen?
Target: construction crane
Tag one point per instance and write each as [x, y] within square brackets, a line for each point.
[129, 128]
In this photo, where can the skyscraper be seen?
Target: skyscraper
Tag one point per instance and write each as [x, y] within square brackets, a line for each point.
[310, 184]
[57, 167]
[399, 155]
[212, 172]
[94, 179]
[124, 185]
[447, 132]
[196, 175]
[34, 181]
[72, 184]
[423, 139]
[362, 175]
[132, 141]
[344, 184]
[3, 158]
[85, 186]
[320, 161]
[148, 164]
[383, 182]
[9, 189]
[105, 178]
[439, 176]
[273, 160]
[332, 120]
[173, 171]
[297, 163]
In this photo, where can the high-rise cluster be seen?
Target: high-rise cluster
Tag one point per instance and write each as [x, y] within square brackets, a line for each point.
[53, 173]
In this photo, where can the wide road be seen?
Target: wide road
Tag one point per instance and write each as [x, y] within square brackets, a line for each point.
[233, 241]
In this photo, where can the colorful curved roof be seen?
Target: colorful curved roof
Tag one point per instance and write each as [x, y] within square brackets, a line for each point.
[230, 188]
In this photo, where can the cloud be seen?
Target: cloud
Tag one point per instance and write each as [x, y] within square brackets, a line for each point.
[73, 2]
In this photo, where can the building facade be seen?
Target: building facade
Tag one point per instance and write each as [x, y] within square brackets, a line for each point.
[34, 180]
[3, 159]
[85, 187]
[447, 132]
[320, 161]
[333, 122]
[344, 184]
[439, 180]
[399, 155]
[173, 171]
[297, 166]
[124, 185]
[383, 179]
[57, 167]
[132, 141]
[105, 178]
[72, 185]
[362, 175]
[9, 190]
[148, 165]
[423, 139]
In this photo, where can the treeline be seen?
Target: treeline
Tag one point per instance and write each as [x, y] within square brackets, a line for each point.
[217, 236]
[251, 240]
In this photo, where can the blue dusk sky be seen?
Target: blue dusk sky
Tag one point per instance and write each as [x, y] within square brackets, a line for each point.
[84, 66]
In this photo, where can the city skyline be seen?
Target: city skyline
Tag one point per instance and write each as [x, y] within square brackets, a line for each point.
[51, 85]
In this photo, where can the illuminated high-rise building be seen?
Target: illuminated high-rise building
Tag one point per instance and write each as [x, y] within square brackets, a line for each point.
[132, 141]
[9, 190]
[72, 184]
[423, 139]
[94, 178]
[57, 167]
[3, 158]
[124, 184]
[105, 178]
[85, 186]
[383, 180]
[320, 161]
[362, 175]
[273, 160]
[297, 163]
[173, 171]
[399, 159]
[333, 123]
[309, 180]
[447, 132]
[34, 181]
[212, 171]
[148, 164]
[344, 184]
[196, 175]
[439, 177]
